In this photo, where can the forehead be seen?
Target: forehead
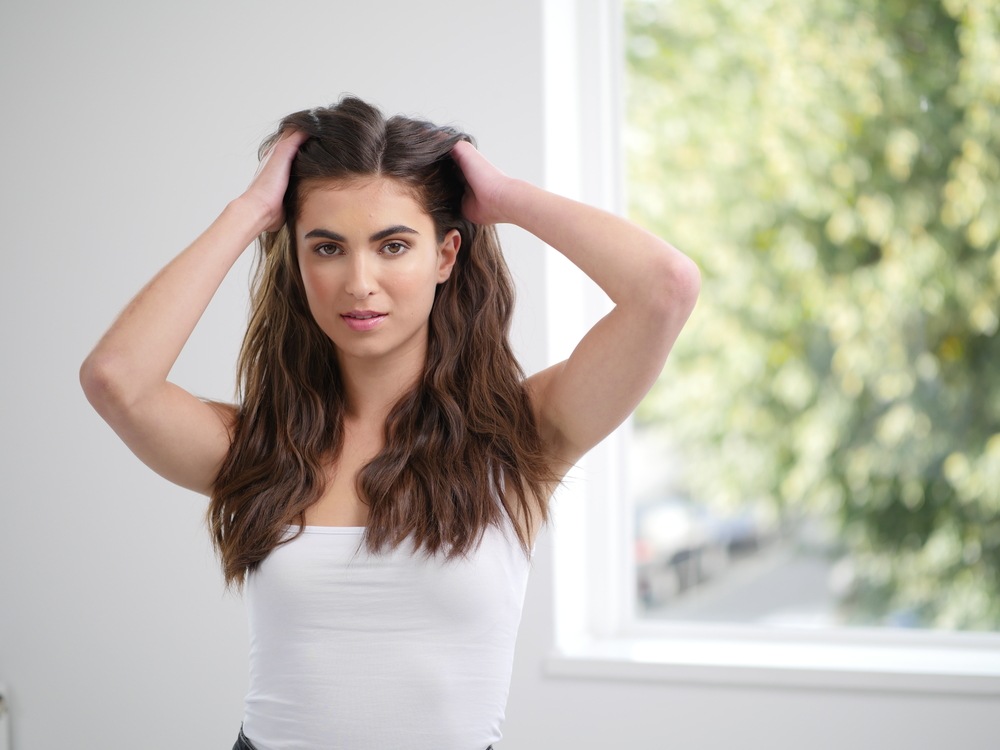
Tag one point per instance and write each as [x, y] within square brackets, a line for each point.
[361, 201]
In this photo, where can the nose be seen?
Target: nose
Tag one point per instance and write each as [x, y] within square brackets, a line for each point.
[361, 280]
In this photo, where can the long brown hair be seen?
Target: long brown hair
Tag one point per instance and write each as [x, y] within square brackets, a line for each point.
[462, 449]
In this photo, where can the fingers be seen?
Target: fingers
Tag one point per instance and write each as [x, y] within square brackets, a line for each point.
[464, 153]
[271, 179]
[461, 149]
[285, 148]
[293, 137]
[484, 185]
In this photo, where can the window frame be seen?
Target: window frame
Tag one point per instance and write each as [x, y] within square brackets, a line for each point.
[596, 632]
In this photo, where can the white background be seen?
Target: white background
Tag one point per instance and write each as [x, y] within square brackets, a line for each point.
[126, 127]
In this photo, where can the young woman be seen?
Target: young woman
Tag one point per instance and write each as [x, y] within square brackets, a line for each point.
[379, 486]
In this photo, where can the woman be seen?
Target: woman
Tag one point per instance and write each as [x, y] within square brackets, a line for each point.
[379, 486]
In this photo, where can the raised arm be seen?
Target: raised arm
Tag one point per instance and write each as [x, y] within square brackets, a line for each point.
[125, 377]
[653, 286]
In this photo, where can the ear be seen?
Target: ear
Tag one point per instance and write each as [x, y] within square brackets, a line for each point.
[448, 253]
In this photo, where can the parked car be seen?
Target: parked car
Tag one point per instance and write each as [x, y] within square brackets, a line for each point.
[680, 544]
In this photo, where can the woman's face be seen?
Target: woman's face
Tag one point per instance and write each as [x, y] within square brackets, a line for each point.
[370, 262]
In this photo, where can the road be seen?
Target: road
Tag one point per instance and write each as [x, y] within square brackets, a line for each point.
[776, 586]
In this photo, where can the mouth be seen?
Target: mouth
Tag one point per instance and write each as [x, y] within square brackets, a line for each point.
[363, 320]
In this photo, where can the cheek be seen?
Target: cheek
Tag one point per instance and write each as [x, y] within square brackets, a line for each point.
[420, 289]
[317, 291]
[309, 285]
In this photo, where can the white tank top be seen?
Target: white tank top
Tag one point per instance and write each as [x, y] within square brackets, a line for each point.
[359, 652]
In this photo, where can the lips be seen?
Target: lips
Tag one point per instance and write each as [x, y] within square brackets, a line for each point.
[363, 320]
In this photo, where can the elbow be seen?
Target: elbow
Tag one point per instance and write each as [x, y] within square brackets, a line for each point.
[688, 283]
[100, 384]
[676, 285]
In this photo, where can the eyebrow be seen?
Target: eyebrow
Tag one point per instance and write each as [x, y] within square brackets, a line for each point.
[379, 235]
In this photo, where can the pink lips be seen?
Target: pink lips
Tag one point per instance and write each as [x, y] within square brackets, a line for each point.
[363, 320]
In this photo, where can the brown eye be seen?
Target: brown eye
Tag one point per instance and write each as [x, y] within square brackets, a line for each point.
[394, 248]
[327, 250]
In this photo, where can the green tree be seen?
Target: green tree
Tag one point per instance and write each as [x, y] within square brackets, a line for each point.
[832, 166]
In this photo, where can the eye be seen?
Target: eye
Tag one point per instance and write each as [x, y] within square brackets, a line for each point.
[327, 250]
[394, 248]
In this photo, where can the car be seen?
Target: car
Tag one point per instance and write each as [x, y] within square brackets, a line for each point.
[680, 544]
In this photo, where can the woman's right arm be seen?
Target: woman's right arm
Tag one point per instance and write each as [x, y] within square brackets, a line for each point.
[176, 434]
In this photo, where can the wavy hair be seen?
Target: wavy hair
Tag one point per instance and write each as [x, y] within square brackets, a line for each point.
[462, 450]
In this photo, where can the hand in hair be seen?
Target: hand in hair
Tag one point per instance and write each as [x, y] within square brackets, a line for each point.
[485, 185]
[653, 285]
[268, 186]
[125, 377]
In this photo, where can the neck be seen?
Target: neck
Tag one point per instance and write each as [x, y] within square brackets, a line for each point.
[373, 386]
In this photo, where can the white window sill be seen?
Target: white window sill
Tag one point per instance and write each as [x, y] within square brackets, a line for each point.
[832, 666]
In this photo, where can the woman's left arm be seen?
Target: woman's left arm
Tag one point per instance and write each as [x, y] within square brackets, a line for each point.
[654, 286]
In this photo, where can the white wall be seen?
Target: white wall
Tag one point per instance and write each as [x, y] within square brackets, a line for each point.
[126, 127]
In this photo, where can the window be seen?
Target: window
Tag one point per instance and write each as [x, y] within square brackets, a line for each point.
[831, 415]
[768, 327]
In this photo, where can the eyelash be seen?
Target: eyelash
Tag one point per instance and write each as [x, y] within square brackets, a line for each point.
[322, 250]
[394, 243]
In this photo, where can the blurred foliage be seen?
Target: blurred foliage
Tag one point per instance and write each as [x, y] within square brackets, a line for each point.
[833, 168]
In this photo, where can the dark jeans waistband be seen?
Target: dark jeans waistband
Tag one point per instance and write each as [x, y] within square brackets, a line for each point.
[242, 743]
